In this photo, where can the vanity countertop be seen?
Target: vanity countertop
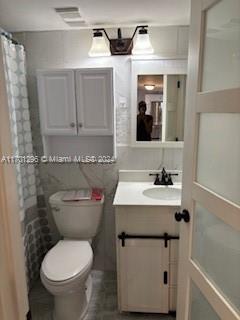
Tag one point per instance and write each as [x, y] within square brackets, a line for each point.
[131, 193]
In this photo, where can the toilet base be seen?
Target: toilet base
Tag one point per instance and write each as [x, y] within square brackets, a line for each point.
[89, 285]
[73, 306]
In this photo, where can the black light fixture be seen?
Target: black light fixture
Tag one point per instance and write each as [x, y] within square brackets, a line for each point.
[120, 46]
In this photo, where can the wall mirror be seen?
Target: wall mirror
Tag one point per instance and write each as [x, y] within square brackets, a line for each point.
[158, 103]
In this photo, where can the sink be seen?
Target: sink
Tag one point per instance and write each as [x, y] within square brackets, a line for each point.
[163, 193]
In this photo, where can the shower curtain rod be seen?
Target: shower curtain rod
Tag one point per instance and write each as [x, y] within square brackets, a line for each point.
[8, 36]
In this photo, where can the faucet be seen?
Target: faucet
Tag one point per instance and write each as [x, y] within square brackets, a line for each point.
[166, 178]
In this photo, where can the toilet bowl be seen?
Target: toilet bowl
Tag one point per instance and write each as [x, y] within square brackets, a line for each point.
[65, 270]
[64, 273]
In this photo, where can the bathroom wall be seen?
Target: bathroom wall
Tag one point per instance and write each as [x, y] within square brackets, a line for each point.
[69, 49]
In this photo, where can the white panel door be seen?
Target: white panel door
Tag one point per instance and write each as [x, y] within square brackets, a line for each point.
[57, 102]
[144, 273]
[94, 89]
[209, 280]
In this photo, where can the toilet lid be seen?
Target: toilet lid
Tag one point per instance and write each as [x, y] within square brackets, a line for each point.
[67, 259]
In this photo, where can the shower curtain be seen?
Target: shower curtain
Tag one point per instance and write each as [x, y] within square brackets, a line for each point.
[35, 231]
[15, 75]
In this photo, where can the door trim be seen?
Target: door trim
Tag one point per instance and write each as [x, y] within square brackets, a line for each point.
[221, 306]
[217, 205]
[221, 101]
[207, 4]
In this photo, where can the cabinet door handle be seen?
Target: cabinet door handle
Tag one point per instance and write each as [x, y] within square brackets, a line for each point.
[165, 277]
[72, 124]
[80, 125]
[185, 216]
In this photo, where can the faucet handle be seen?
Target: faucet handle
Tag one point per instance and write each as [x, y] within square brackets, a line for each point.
[154, 174]
[169, 178]
[157, 180]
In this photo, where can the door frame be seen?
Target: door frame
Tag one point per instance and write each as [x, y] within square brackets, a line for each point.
[200, 102]
[13, 288]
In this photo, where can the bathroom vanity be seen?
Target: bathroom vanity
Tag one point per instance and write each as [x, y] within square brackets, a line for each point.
[147, 242]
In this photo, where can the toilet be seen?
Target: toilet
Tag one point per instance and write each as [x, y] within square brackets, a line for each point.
[65, 270]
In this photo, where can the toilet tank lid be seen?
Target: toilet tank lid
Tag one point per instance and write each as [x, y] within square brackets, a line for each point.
[56, 198]
[67, 259]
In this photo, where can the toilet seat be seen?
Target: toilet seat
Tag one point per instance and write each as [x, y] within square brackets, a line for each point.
[68, 259]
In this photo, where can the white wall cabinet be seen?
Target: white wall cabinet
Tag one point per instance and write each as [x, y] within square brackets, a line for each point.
[147, 268]
[77, 111]
[56, 91]
[94, 101]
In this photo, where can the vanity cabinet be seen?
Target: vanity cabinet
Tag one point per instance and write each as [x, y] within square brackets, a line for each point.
[77, 111]
[146, 262]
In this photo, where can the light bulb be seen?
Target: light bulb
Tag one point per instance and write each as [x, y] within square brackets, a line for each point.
[99, 46]
[143, 44]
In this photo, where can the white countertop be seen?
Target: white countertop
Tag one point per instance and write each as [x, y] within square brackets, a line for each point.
[131, 194]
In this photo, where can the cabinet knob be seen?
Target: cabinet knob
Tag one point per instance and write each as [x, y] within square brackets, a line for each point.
[80, 125]
[185, 216]
[72, 124]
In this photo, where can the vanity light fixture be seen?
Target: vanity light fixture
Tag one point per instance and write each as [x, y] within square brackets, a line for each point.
[143, 44]
[120, 46]
[149, 87]
[99, 46]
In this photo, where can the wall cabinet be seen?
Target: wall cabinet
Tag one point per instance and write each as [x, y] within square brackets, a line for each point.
[77, 105]
[94, 102]
[56, 90]
[147, 268]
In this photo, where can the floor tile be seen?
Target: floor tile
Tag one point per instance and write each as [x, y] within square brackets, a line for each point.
[103, 304]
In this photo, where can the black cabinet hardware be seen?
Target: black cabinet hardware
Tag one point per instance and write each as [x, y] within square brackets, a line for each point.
[165, 277]
[166, 237]
[182, 216]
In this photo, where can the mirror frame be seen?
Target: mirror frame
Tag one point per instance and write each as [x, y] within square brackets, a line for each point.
[158, 66]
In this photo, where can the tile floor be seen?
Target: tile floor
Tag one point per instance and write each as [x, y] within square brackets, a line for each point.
[103, 304]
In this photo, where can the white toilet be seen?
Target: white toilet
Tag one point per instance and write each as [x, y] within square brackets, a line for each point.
[65, 270]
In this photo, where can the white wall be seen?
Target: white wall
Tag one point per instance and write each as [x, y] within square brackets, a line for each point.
[69, 49]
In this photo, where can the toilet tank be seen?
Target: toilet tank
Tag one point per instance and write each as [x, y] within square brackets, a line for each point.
[76, 219]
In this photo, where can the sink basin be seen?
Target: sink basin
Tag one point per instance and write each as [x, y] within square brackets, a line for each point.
[163, 193]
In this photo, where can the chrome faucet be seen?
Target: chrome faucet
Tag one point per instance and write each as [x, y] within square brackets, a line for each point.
[166, 178]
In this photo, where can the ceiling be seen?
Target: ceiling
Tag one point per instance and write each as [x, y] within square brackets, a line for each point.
[39, 15]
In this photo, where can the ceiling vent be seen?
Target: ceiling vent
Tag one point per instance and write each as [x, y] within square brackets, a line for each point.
[71, 16]
[77, 24]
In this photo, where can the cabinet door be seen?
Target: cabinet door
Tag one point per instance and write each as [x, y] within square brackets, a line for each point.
[94, 89]
[143, 276]
[57, 102]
